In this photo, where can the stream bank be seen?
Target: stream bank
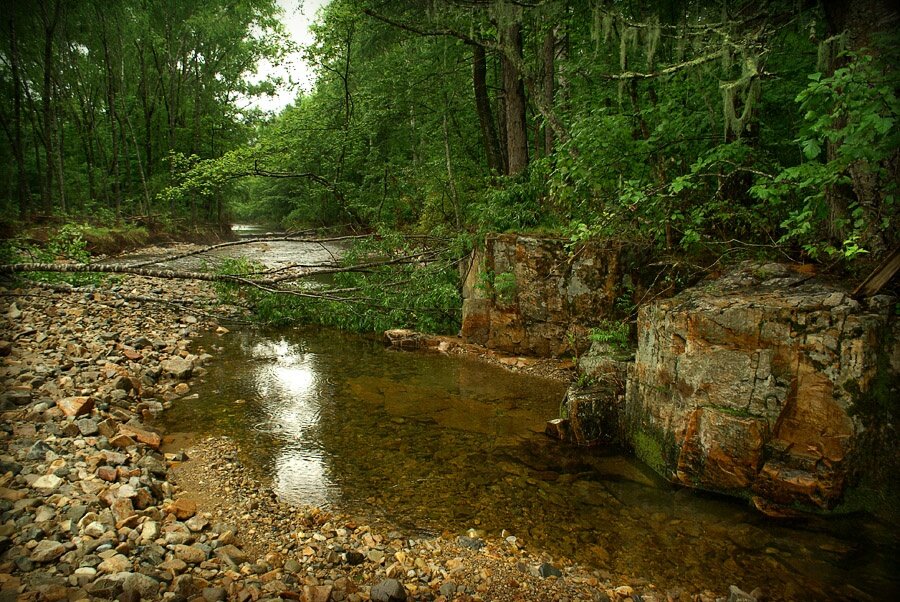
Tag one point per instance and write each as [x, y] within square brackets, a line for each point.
[234, 505]
[93, 509]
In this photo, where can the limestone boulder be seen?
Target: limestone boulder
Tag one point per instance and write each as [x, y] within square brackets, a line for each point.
[528, 295]
[764, 383]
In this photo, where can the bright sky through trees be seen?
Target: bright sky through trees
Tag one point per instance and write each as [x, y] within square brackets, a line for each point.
[296, 73]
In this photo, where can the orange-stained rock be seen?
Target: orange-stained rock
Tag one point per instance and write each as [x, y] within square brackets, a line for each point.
[122, 441]
[146, 437]
[182, 508]
[756, 385]
[526, 295]
[76, 406]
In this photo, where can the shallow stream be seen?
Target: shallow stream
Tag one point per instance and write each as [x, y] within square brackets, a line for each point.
[433, 444]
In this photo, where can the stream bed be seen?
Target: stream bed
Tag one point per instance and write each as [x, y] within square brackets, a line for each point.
[433, 444]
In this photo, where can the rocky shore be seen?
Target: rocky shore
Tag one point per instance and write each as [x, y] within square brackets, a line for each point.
[94, 505]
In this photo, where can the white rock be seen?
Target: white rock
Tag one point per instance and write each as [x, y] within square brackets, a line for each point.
[48, 482]
[95, 529]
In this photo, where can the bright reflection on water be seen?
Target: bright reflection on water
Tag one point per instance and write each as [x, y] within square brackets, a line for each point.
[290, 377]
[431, 444]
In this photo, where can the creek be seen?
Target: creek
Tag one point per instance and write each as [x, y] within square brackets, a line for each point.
[435, 444]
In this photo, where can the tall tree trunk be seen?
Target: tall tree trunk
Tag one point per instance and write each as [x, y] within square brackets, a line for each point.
[548, 58]
[58, 156]
[454, 197]
[514, 90]
[49, 22]
[483, 109]
[23, 194]
[114, 168]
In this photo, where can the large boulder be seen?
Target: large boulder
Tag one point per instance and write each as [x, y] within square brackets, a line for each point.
[528, 295]
[766, 384]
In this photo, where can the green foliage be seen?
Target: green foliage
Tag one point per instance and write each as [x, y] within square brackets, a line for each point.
[616, 335]
[854, 112]
[513, 204]
[505, 288]
[65, 245]
[132, 82]
[419, 295]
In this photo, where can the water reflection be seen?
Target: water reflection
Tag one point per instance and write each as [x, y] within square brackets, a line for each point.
[431, 444]
[286, 385]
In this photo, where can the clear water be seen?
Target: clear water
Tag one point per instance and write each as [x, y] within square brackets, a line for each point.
[434, 444]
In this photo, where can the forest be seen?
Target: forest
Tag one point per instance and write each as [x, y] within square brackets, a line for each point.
[704, 129]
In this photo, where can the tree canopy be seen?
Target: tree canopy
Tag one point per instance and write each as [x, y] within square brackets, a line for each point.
[683, 125]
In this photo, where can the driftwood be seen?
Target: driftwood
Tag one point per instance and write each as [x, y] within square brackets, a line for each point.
[886, 270]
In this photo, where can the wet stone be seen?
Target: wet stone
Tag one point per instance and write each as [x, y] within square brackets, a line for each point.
[473, 543]
[389, 590]
[548, 570]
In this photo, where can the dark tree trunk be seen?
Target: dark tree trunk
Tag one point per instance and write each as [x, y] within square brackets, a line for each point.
[23, 194]
[514, 91]
[483, 108]
[49, 22]
[548, 59]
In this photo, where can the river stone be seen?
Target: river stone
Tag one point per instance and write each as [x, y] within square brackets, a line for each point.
[472, 543]
[174, 565]
[196, 523]
[155, 466]
[47, 550]
[38, 451]
[389, 590]
[736, 594]
[94, 529]
[107, 473]
[354, 557]
[117, 563]
[375, 556]
[318, 593]
[182, 508]
[143, 435]
[115, 458]
[177, 367]
[149, 531]
[214, 594]
[144, 586]
[76, 406]
[548, 570]
[123, 383]
[231, 554]
[189, 554]
[122, 441]
[448, 589]
[87, 426]
[48, 482]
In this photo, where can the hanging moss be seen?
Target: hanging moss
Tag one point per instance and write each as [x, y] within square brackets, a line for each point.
[745, 90]
[626, 42]
[651, 40]
[607, 26]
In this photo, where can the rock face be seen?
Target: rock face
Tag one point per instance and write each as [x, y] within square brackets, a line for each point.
[526, 295]
[764, 385]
